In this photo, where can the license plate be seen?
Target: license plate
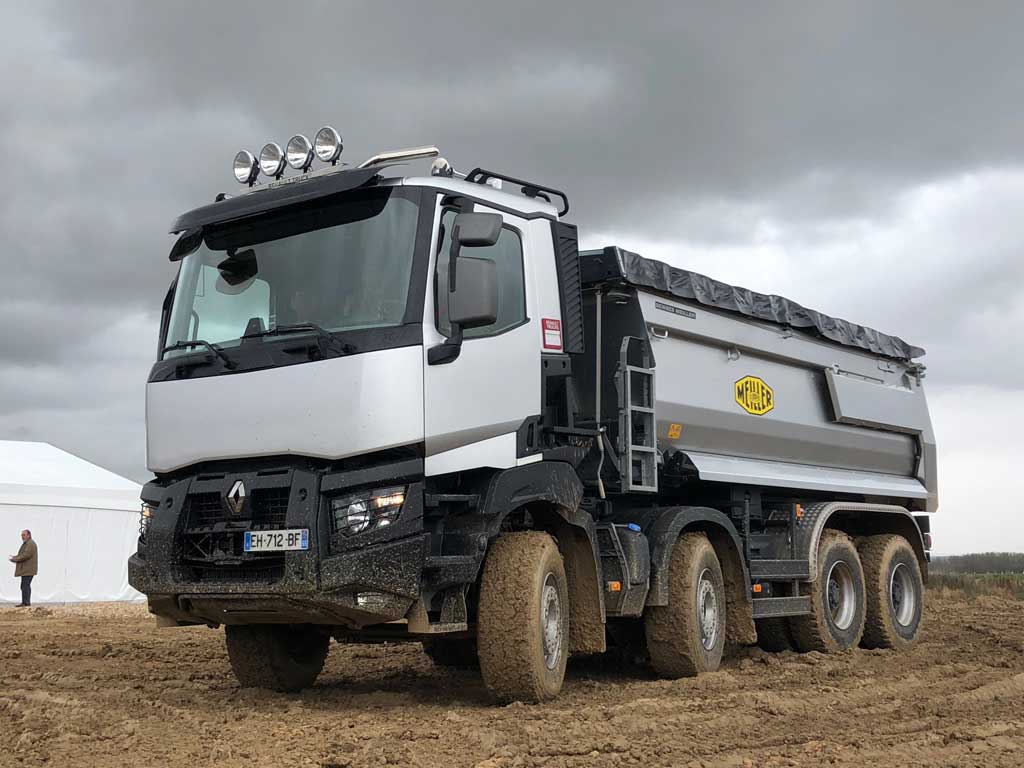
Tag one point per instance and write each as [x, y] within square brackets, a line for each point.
[276, 541]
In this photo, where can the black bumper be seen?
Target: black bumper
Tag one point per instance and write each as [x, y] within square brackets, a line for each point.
[355, 581]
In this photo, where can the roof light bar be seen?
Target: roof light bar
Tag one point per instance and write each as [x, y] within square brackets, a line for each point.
[326, 146]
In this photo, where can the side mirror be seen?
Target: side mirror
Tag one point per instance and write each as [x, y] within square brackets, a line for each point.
[474, 302]
[476, 230]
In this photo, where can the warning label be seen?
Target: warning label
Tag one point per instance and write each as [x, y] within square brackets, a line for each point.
[552, 330]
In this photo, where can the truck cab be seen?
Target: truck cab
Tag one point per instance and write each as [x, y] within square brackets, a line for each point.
[385, 408]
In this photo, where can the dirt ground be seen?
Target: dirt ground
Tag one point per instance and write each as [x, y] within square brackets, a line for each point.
[102, 686]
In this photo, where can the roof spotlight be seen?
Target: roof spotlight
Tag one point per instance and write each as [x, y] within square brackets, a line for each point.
[327, 145]
[246, 168]
[272, 160]
[299, 152]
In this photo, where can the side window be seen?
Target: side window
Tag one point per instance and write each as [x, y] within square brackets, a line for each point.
[507, 255]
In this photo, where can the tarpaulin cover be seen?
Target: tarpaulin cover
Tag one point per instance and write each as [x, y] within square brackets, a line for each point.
[658, 276]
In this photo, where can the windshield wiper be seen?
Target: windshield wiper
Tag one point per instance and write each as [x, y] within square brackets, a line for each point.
[325, 337]
[228, 362]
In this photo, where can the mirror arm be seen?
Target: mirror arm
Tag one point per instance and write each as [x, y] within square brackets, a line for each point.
[448, 350]
[453, 258]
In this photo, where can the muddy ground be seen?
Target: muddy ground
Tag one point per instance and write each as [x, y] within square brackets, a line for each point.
[102, 686]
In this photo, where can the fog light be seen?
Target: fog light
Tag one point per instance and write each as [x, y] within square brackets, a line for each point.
[272, 160]
[367, 510]
[148, 510]
[371, 599]
[327, 145]
[299, 153]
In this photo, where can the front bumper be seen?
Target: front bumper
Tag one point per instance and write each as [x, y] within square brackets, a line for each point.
[353, 581]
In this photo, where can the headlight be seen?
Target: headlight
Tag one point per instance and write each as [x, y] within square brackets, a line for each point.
[272, 160]
[148, 510]
[367, 510]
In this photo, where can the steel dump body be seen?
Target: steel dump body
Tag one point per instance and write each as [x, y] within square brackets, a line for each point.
[762, 403]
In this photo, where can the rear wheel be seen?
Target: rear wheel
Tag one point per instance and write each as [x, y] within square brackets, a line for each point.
[687, 636]
[523, 618]
[836, 621]
[454, 654]
[278, 657]
[895, 592]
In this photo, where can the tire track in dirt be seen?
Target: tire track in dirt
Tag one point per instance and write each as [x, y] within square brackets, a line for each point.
[99, 685]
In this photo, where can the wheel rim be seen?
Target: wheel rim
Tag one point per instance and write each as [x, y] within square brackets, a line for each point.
[902, 595]
[551, 622]
[842, 594]
[707, 610]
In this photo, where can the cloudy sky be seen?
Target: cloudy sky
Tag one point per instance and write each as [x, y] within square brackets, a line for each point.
[866, 159]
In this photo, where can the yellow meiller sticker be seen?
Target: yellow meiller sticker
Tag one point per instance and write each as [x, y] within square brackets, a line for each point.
[754, 395]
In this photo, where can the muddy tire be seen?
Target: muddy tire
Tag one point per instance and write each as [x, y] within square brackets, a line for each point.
[687, 636]
[452, 654]
[895, 592]
[277, 657]
[836, 621]
[773, 635]
[523, 618]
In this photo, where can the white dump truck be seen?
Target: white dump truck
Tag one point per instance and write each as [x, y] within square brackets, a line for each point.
[394, 408]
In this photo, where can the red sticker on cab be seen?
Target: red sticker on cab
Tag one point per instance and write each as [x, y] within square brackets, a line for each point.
[552, 333]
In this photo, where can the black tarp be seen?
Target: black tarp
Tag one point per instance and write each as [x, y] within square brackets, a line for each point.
[615, 263]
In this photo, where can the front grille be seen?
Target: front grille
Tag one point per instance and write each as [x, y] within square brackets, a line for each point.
[211, 540]
[265, 568]
[270, 507]
[205, 510]
[267, 510]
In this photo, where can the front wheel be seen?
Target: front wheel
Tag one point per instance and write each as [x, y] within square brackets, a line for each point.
[523, 618]
[687, 636]
[281, 658]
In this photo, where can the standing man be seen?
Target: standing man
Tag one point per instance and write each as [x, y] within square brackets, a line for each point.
[26, 566]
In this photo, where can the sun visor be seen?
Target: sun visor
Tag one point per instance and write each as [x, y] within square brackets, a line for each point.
[289, 191]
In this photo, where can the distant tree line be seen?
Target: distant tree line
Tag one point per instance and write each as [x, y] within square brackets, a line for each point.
[980, 562]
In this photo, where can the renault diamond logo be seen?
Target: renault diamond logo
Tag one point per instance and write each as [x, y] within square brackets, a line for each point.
[236, 498]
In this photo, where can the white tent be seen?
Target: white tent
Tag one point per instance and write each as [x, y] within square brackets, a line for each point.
[85, 521]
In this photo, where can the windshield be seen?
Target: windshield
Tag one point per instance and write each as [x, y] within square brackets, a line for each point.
[343, 267]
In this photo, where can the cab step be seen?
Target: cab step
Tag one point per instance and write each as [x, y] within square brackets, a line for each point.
[771, 607]
[777, 570]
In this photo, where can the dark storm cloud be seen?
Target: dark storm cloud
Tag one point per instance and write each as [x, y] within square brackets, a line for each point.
[705, 125]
